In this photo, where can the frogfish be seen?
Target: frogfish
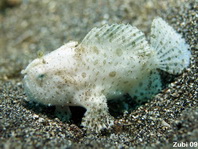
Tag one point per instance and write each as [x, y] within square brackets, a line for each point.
[111, 60]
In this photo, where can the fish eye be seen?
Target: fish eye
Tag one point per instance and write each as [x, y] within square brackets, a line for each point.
[41, 76]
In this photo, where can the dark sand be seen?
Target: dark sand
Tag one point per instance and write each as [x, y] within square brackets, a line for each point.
[171, 116]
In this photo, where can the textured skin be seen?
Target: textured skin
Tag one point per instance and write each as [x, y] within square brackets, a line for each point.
[109, 62]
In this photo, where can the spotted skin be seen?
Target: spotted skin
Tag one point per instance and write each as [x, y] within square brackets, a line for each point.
[109, 62]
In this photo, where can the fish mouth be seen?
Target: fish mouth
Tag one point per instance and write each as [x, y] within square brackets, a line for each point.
[26, 86]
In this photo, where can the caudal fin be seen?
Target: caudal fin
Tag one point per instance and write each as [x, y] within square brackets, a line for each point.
[172, 51]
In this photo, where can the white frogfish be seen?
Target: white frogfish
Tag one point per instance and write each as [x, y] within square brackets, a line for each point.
[109, 62]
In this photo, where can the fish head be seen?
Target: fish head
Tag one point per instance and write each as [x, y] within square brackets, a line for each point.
[48, 80]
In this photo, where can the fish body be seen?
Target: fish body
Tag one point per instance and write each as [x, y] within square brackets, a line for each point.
[110, 61]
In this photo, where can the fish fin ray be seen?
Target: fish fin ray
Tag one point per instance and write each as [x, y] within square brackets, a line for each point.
[172, 51]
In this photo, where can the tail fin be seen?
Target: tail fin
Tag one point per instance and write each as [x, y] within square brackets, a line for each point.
[172, 51]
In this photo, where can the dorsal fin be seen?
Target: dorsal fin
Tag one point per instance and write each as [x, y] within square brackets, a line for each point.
[121, 36]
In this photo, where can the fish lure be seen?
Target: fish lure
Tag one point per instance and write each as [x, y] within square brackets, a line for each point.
[109, 62]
